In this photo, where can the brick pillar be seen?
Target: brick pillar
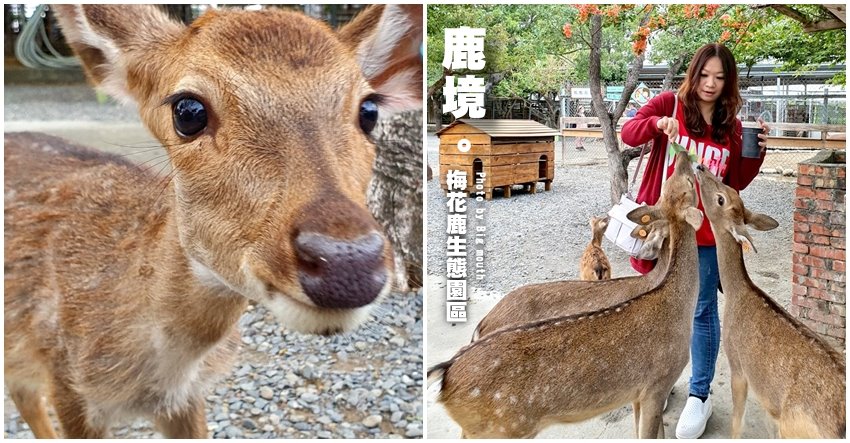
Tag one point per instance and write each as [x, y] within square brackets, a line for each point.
[818, 298]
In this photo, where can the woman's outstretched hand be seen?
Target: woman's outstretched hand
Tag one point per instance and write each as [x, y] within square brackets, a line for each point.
[668, 126]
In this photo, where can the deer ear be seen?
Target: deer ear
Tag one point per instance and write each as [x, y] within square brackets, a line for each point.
[694, 217]
[640, 232]
[759, 222]
[387, 41]
[741, 235]
[103, 36]
[658, 228]
[643, 215]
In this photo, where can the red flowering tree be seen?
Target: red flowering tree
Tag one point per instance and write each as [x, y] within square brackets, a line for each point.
[675, 31]
[688, 27]
[620, 21]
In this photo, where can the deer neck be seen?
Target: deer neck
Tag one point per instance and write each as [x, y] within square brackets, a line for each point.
[656, 275]
[597, 237]
[730, 261]
[681, 256]
[186, 309]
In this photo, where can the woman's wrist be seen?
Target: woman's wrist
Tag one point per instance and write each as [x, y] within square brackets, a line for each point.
[654, 119]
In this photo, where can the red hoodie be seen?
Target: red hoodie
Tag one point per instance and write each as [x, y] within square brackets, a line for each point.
[722, 159]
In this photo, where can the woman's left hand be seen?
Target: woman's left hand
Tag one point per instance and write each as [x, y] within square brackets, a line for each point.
[765, 130]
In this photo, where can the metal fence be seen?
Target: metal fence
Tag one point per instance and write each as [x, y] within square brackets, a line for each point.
[801, 105]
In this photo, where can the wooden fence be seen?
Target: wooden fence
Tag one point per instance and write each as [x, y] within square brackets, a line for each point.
[831, 136]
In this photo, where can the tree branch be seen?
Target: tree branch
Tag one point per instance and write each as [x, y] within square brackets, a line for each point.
[595, 70]
[672, 70]
[811, 26]
[632, 78]
[824, 25]
[838, 11]
[791, 12]
[439, 83]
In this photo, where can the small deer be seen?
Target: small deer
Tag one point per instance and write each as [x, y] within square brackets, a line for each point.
[517, 380]
[123, 289]
[594, 263]
[796, 376]
[570, 297]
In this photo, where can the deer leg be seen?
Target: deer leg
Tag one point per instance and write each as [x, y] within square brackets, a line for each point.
[71, 411]
[650, 415]
[190, 422]
[636, 409]
[32, 405]
[739, 401]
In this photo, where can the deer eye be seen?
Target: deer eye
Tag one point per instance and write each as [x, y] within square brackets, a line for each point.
[189, 116]
[368, 115]
[720, 200]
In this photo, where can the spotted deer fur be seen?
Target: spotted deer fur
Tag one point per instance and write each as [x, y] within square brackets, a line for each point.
[122, 289]
[517, 380]
[570, 297]
[795, 375]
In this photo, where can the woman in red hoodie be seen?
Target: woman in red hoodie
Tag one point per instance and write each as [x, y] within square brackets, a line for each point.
[706, 125]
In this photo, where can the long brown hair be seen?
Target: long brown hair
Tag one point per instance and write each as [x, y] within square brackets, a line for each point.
[726, 107]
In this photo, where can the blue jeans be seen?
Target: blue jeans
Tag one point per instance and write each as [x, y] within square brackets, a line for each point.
[705, 340]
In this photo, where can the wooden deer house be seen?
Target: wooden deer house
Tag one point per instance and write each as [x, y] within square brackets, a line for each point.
[508, 152]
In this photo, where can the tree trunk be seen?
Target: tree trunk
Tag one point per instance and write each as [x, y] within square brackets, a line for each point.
[8, 36]
[672, 70]
[395, 194]
[617, 167]
[552, 116]
[618, 174]
[434, 99]
[435, 110]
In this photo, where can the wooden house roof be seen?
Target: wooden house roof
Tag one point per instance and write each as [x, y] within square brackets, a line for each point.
[506, 127]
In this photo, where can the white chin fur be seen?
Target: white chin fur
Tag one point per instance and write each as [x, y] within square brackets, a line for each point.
[311, 320]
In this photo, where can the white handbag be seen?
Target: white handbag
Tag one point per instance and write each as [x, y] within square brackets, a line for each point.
[619, 226]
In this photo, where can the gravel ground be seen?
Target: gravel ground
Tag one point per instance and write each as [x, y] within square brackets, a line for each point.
[364, 384]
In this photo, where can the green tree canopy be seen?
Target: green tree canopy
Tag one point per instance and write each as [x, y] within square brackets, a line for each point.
[522, 42]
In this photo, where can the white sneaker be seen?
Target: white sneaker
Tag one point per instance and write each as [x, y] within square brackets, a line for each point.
[694, 417]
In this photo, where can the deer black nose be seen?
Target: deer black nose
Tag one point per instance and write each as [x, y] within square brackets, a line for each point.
[701, 167]
[341, 274]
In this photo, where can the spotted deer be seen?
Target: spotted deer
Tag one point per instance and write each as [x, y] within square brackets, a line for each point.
[569, 297]
[594, 263]
[123, 289]
[795, 375]
[517, 380]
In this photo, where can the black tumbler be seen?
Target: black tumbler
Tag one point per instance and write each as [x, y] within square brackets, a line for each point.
[750, 145]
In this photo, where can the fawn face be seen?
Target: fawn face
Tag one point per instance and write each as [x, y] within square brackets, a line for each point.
[267, 119]
[599, 224]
